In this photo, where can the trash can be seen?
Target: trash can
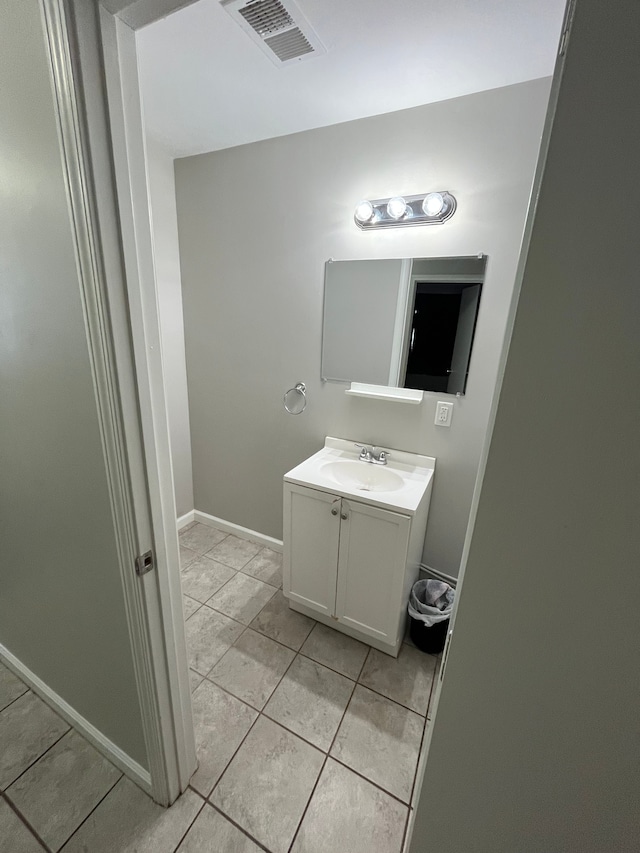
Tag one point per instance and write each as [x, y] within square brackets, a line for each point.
[430, 606]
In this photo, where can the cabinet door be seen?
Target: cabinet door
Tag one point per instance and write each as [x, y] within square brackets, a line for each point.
[311, 533]
[371, 568]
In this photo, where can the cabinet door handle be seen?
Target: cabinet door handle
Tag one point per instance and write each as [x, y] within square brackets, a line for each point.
[344, 516]
[334, 511]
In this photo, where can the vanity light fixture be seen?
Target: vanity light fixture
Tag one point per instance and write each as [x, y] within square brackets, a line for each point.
[429, 209]
[364, 212]
[397, 207]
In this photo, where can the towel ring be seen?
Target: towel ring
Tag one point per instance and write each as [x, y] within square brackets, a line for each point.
[295, 400]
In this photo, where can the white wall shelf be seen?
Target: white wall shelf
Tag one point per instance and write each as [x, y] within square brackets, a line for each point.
[383, 392]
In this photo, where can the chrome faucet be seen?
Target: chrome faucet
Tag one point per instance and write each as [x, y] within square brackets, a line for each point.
[372, 454]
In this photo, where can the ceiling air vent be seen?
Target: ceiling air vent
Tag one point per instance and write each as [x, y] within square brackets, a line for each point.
[282, 32]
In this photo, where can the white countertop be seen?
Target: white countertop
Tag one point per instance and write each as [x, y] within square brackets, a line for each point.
[415, 470]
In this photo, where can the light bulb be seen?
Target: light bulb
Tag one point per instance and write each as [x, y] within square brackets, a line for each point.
[433, 204]
[364, 211]
[397, 207]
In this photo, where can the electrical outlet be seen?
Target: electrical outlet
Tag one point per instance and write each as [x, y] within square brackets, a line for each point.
[444, 412]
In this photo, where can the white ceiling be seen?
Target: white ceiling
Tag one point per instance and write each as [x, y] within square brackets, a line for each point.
[206, 85]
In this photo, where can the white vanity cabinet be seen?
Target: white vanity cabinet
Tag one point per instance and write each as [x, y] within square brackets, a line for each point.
[348, 561]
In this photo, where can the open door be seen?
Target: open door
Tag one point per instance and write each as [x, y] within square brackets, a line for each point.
[115, 264]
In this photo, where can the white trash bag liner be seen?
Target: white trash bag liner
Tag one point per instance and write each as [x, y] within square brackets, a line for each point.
[431, 601]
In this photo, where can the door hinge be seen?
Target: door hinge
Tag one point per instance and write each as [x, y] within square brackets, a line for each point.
[144, 563]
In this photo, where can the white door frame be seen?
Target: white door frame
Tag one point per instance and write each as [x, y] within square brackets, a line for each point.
[115, 264]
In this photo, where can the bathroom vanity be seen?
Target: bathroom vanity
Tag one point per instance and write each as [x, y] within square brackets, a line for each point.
[353, 539]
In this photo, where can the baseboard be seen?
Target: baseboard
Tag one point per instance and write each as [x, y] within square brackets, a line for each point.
[185, 519]
[428, 572]
[113, 753]
[238, 530]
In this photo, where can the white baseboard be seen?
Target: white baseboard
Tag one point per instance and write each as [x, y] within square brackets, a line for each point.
[113, 753]
[185, 519]
[438, 575]
[238, 530]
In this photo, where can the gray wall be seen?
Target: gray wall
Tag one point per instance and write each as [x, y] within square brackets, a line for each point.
[61, 602]
[164, 226]
[537, 734]
[257, 224]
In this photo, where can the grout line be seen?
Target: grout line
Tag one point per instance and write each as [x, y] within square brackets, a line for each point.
[324, 764]
[370, 781]
[24, 821]
[9, 704]
[42, 754]
[415, 772]
[191, 788]
[237, 826]
[404, 831]
[222, 586]
[304, 655]
[229, 693]
[228, 764]
[213, 547]
[86, 818]
[188, 830]
[364, 663]
[338, 761]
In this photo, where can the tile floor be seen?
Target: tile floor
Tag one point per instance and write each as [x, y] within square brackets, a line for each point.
[307, 740]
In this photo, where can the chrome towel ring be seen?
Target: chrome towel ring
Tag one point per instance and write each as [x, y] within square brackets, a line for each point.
[295, 400]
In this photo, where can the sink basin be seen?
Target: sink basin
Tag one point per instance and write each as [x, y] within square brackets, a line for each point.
[362, 476]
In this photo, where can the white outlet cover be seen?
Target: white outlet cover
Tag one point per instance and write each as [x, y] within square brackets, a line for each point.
[444, 413]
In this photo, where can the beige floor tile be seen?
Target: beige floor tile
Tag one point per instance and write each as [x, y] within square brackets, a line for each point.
[278, 621]
[349, 814]
[203, 577]
[10, 687]
[406, 679]
[310, 701]
[28, 727]
[209, 635]
[242, 598]
[234, 552]
[127, 821]
[201, 538]
[14, 836]
[220, 723]
[266, 566]
[267, 785]
[212, 827]
[380, 740]
[252, 668]
[58, 792]
[335, 650]
[190, 605]
[187, 555]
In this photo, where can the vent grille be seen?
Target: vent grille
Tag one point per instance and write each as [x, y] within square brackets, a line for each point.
[289, 45]
[266, 16]
[280, 30]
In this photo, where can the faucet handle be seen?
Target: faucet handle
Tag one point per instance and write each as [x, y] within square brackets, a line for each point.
[366, 452]
[382, 456]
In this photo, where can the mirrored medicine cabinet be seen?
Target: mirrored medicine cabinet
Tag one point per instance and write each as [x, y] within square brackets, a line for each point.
[405, 323]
